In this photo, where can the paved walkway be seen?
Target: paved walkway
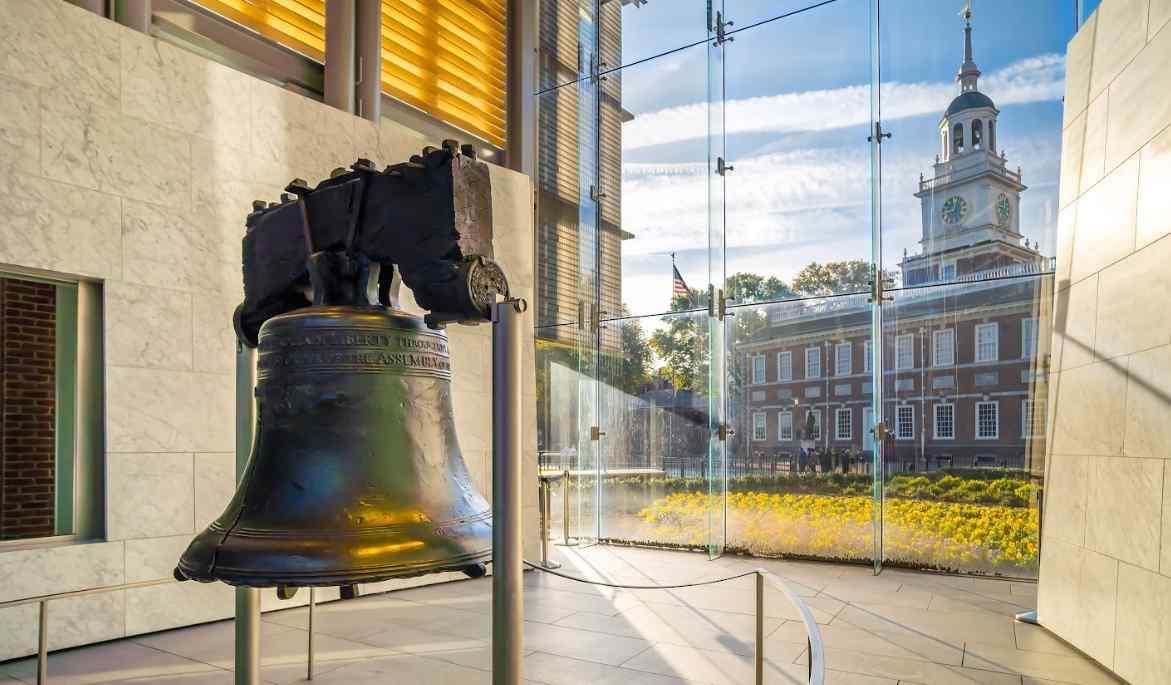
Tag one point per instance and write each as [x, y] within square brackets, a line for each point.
[898, 628]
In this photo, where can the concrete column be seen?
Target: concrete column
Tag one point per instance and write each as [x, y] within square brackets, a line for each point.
[339, 54]
[368, 58]
[523, 16]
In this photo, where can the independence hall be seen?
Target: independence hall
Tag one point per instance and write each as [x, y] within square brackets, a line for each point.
[963, 360]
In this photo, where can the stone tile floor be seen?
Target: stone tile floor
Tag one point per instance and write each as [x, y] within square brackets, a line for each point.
[900, 627]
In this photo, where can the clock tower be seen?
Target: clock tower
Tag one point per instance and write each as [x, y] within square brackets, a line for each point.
[970, 204]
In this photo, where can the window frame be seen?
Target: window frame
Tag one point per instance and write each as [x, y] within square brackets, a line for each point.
[995, 404]
[1028, 351]
[935, 420]
[898, 432]
[935, 338]
[816, 357]
[816, 422]
[910, 339]
[849, 414]
[839, 358]
[761, 426]
[979, 328]
[784, 362]
[759, 378]
[867, 356]
[781, 416]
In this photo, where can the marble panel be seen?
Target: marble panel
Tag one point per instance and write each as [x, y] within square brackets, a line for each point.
[473, 416]
[1066, 225]
[20, 130]
[512, 220]
[1126, 320]
[1143, 81]
[73, 621]
[1073, 140]
[1154, 202]
[1105, 222]
[1165, 557]
[294, 136]
[62, 228]
[147, 327]
[1065, 501]
[1096, 605]
[1141, 655]
[155, 410]
[149, 495]
[1094, 141]
[45, 570]
[166, 248]
[1148, 401]
[48, 43]
[215, 483]
[1079, 57]
[98, 148]
[1074, 324]
[471, 356]
[1124, 509]
[1120, 34]
[1160, 13]
[153, 558]
[1061, 567]
[396, 143]
[179, 89]
[160, 607]
[366, 142]
[1090, 409]
[215, 338]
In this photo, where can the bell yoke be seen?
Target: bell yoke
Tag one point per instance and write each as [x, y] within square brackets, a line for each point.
[356, 474]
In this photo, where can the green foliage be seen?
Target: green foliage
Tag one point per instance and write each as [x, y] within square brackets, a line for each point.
[832, 278]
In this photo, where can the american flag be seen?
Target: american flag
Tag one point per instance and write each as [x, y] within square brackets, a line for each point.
[679, 286]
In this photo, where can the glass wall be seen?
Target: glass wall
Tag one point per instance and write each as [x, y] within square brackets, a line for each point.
[796, 262]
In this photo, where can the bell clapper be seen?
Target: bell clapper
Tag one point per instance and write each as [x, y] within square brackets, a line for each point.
[285, 592]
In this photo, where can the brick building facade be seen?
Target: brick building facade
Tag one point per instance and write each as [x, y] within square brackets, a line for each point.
[27, 408]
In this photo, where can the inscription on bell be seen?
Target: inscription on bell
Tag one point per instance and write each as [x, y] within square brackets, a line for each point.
[355, 351]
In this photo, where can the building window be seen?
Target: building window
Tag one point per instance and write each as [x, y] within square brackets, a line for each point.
[957, 143]
[785, 366]
[1028, 338]
[843, 359]
[301, 29]
[867, 428]
[1032, 418]
[987, 342]
[758, 369]
[947, 271]
[759, 428]
[812, 428]
[785, 425]
[867, 356]
[943, 348]
[977, 134]
[905, 352]
[843, 424]
[945, 421]
[905, 422]
[813, 362]
[987, 420]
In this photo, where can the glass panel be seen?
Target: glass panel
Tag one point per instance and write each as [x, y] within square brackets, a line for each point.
[717, 472]
[798, 201]
[558, 391]
[965, 391]
[654, 406]
[745, 14]
[798, 391]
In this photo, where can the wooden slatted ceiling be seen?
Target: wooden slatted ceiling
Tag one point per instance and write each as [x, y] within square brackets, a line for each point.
[296, 24]
[449, 59]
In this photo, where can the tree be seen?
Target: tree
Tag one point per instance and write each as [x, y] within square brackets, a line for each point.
[635, 363]
[832, 278]
[744, 287]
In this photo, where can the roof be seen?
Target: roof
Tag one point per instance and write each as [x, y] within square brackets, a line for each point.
[973, 99]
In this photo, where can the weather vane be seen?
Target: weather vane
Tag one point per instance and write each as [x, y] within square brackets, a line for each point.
[966, 12]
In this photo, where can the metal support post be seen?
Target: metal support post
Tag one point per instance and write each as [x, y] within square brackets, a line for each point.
[134, 14]
[247, 599]
[312, 607]
[43, 644]
[507, 484]
[565, 508]
[368, 60]
[546, 516]
[759, 654]
[339, 54]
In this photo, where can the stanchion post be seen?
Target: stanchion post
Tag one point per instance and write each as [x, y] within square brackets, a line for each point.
[565, 506]
[309, 649]
[759, 628]
[43, 644]
[507, 483]
[247, 599]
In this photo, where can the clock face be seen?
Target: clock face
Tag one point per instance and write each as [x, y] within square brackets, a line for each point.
[955, 209]
[1003, 208]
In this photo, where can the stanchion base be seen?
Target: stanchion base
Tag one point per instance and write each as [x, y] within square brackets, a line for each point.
[1027, 617]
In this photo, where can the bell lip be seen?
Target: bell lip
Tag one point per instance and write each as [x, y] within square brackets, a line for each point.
[246, 578]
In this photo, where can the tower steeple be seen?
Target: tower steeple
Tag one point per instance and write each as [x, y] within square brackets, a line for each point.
[969, 73]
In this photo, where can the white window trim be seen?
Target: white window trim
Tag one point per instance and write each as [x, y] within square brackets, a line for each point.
[1027, 351]
[935, 421]
[816, 355]
[935, 336]
[898, 425]
[764, 426]
[911, 346]
[781, 415]
[944, 266]
[759, 379]
[995, 327]
[781, 375]
[867, 356]
[1027, 409]
[848, 357]
[849, 424]
[976, 430]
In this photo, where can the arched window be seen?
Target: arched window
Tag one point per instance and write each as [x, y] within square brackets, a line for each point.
[943, 144]
[992, 135]
[977, 134]
[957, 138]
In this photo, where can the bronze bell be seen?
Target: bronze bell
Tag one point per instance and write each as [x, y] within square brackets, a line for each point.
[355, 474]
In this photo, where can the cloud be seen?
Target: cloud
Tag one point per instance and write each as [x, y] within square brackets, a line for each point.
[1035, 79]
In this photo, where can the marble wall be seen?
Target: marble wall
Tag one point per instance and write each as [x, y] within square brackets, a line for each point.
[132, 162]
[1106, 543]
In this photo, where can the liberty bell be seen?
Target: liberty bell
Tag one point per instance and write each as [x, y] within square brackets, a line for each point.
[356, 474]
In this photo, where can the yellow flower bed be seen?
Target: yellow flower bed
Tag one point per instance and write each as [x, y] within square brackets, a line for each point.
[934, 534]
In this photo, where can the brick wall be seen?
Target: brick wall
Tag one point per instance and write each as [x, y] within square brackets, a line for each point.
[27, 411]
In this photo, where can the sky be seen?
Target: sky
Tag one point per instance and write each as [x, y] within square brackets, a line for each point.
[796, 105]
